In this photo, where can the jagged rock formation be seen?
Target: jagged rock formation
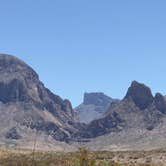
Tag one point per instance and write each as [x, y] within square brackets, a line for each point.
[160, 103]
[29, 103]
[140, 94]
[93, 107]
[138, 110]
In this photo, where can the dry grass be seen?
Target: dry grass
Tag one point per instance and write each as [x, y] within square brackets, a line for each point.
[81, 158]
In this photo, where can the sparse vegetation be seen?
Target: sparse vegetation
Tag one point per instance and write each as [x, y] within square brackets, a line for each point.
[81, 158]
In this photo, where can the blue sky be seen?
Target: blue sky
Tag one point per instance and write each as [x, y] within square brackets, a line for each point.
[82, 46]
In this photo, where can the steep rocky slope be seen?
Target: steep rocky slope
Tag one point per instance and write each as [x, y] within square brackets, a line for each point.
[26, 103]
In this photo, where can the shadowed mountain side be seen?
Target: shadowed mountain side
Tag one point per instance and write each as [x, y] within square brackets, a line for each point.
[35, 106]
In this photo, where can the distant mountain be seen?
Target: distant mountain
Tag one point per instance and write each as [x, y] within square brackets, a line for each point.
[93, 107]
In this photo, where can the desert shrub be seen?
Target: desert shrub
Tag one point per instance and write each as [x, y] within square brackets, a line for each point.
[84, 158]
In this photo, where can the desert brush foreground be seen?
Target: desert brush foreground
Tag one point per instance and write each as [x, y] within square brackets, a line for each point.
[82, 157]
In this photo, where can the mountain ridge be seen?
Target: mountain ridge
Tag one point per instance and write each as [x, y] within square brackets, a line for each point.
[135, 110]
[28, 108]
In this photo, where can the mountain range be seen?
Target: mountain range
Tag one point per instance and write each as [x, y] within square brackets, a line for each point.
[29, 111]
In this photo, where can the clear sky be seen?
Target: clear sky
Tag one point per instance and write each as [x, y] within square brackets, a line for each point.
[79, 46]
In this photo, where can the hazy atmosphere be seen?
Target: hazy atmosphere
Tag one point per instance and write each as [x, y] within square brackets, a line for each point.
[78, 46]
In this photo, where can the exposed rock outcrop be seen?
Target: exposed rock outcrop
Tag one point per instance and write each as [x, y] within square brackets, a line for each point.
[160, 102]
[140, 94]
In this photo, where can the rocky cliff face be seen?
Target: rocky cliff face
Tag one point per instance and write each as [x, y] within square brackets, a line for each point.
[20, 83]
[138, 110]
[160, 103]
[140, 94]
[36, 106]
[93, 107]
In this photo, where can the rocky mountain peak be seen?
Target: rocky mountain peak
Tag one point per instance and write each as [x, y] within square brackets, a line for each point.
[160, 102]
[20, 83]
[35, 106]
[11, 66]
[140, 94]
[96, 98]
[17, 80]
